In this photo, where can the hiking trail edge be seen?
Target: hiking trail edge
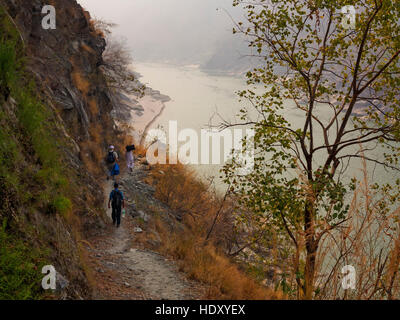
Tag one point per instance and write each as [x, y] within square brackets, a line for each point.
[124, 271]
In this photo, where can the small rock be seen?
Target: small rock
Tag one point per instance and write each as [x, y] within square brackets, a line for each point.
[144, 216]
[61, 282]
[137, 230]
[127, 284]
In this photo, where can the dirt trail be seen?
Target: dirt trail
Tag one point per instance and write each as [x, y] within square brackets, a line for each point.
[122, 270]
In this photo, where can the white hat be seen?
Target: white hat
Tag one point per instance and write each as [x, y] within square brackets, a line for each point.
[111, 147]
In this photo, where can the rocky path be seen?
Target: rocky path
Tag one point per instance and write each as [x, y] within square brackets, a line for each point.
[125, 270]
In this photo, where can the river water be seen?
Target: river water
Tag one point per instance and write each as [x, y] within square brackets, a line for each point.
[196, 96]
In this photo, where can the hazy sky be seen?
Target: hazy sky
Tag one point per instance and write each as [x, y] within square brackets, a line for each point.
[186, 31]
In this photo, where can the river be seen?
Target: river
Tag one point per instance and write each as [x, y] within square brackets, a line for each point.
[196, 96]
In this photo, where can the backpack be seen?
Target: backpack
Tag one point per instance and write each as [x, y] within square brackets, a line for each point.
[130, 148]
[111, 157]
[117, 199]
[115, 170]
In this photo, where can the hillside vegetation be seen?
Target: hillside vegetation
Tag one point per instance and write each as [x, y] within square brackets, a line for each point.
[45, 188]
[51, 149]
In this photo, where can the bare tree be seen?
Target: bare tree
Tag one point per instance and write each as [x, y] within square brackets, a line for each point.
[117, 62]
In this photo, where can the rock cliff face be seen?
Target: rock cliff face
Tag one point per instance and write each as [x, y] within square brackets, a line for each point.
[65, 66]
[65, 60]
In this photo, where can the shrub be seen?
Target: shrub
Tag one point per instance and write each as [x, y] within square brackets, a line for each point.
[8, 66]
[10, 63]
[28, 136]
[20, 269]
[61, 205]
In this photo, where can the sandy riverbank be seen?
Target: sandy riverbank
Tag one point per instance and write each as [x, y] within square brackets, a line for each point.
[153, 103]
[136, 114]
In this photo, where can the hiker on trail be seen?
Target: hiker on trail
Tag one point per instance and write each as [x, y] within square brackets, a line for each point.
[117, 202]
[112, 163]
[130, 159]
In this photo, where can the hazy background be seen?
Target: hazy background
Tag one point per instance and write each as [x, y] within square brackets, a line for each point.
[177, 31]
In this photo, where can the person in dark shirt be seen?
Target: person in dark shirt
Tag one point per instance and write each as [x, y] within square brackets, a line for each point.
[117, 202]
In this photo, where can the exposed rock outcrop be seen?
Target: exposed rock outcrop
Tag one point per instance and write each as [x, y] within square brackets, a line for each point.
[65, 64]
[65, 61]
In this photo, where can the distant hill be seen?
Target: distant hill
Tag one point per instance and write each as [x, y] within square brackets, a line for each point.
[232, 55]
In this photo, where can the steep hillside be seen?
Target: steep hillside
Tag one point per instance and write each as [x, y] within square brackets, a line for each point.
[55, 123]
[57, 117]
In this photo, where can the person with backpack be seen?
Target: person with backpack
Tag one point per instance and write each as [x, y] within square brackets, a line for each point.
[130, 160]
[112, 161]
[117, 202]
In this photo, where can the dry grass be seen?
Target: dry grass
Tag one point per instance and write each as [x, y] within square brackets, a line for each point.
[88, 49]
[370, 242]
[75, 224]
[178, 187]
[80, 82]
[221, 276]
[84, 258]
[93, 108]
[202, 260]
[78, 79]
[92, 154]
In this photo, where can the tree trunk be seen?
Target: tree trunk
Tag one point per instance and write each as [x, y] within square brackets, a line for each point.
[309, 274]
[311, 249]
